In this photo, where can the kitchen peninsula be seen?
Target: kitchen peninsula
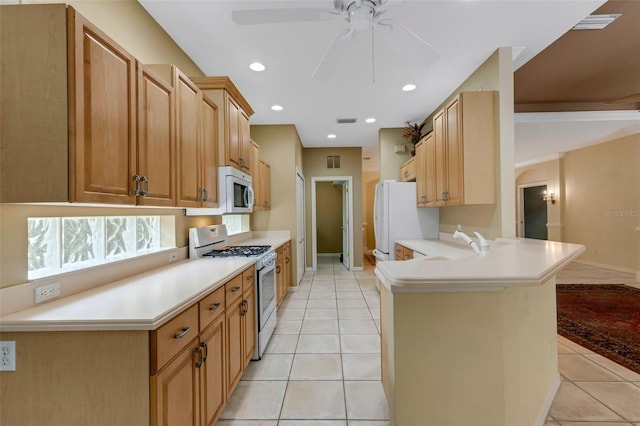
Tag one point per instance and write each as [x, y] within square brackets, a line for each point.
[470, 338]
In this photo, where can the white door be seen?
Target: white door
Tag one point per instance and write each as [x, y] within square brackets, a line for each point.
[300, 228]
[346, 249]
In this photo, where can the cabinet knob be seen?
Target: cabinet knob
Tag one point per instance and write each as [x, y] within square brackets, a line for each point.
[214, 307]
[235, 289]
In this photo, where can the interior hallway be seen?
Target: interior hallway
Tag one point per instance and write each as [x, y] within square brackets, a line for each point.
[322, 367]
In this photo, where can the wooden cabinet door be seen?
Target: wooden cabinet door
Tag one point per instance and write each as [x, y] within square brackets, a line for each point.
[256, 175]
[209, 153]
[244, 141]
[235, 358]
[188, 104]
[265, 185]
[156, 143]
[102, 116]
[249, 325]
[287, 268]
[399, 252]
[430, 177]
[453, 115]
[440, 158]
[212, 383]
[232, 136]
[279, 276]
[175, 392]
[421, 176]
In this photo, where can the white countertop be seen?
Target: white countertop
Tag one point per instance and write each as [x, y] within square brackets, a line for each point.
[451, 266]
[140, 302]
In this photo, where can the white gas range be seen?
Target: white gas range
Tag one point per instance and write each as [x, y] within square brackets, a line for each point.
[212, 241]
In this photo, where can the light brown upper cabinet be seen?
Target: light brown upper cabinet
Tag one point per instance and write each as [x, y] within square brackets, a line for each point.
[60, 142]
[196, 140]
[156, 140]
[464, 133]
[408, 169]
[234, 139]
[420, 172]
[255, 175]
[264, 171]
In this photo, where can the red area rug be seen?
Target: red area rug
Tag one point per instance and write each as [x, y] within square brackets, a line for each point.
[602, 318]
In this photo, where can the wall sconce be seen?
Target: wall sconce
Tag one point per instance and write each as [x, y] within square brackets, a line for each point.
[549, 197]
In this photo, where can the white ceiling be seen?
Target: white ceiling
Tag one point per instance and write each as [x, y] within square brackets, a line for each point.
[464, 32]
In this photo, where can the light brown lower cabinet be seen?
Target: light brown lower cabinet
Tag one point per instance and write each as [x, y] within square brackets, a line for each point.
[403, 253]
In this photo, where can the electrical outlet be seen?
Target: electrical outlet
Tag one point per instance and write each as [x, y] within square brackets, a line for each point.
[47, 292]
[173, 256]
[8, 356]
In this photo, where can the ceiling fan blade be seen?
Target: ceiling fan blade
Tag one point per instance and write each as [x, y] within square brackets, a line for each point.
[401, 40]
[627, 99]
[278, 16]
[332, 54]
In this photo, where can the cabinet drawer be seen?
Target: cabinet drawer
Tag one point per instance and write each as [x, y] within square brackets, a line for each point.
[169, 339]
[248, 278]
[211, 306]
[233, 289]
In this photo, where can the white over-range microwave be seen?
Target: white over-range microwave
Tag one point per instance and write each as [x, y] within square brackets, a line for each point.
[235, 194]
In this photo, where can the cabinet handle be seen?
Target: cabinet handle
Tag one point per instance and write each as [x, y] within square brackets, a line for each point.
[137, 191]
[244, 308]
[204, 195]
[286, 259]
[235, 289]
[214, 307]
[181, 334]
[145, 180]
[249, 278]
[277, 269]
[206, 351]
[199, 359]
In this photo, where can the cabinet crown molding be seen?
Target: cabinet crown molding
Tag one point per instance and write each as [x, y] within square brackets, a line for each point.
[223, 82]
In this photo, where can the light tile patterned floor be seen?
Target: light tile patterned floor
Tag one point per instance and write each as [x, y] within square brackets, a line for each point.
[322, 365]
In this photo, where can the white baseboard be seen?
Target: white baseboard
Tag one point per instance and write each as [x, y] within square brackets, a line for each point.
[309, 269]
[610, 267]
[358, 268]
[544, 412]
[328, 254]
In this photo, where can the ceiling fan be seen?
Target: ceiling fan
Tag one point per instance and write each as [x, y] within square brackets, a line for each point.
[362, 17]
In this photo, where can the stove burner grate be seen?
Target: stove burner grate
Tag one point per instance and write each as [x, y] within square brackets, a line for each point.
[230, 251]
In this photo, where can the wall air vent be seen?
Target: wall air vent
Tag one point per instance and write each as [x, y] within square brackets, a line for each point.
[346, 120]
[333, 161]
[596, 22]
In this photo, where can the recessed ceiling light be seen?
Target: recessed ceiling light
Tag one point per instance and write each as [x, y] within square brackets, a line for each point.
[409, 87]
[370, 120]
[257, 66]
[276, 107]
[331, 136]
[596, 22]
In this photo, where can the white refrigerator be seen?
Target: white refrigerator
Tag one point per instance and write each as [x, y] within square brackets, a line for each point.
[395, 217]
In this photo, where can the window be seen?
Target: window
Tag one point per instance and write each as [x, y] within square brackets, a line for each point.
[62, 244]
[236, 223]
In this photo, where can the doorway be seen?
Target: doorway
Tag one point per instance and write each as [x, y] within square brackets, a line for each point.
[300, 227]
[343, 184]
[533, 212]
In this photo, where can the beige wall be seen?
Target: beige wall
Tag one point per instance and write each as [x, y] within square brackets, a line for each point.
[391, 161]
[130, 26]
[280, 146]
[602, 202]
[315, 165]
[369, 181]
[496, 73]
[329, 234]
[547, 173]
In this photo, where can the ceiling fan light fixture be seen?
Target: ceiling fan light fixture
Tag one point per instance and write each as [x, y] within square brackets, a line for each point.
[257, 66]
[361, 17]
[408, 87]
